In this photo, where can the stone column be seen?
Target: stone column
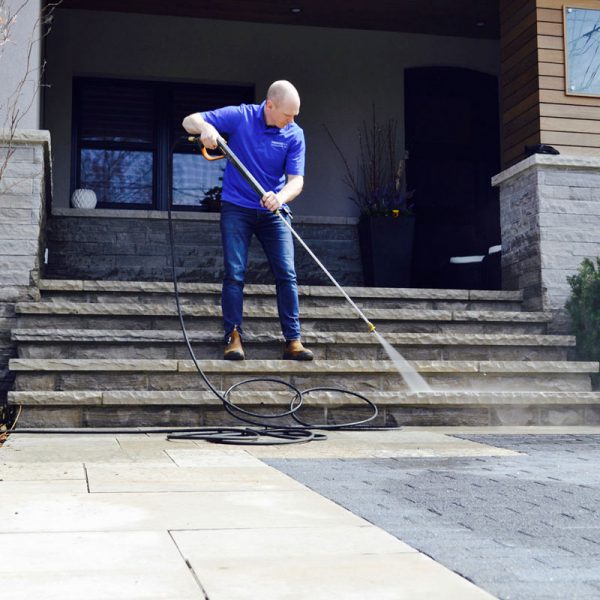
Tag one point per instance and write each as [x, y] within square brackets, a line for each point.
[550, 222]
[24, 195]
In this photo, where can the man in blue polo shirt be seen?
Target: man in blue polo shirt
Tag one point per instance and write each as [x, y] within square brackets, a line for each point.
[269, 143]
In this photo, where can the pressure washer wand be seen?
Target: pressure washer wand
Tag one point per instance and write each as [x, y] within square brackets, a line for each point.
[230, 155]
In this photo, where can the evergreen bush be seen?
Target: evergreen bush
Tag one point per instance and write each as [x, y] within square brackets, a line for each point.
[584, 308]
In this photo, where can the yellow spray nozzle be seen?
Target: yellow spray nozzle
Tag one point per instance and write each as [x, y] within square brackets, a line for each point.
[371, 327]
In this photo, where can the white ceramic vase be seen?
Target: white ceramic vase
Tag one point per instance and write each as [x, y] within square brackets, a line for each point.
[83, 198]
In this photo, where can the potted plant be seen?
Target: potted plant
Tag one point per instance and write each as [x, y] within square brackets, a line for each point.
[387, 221]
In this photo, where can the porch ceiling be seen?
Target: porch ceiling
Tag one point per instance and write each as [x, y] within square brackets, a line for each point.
[465, 18]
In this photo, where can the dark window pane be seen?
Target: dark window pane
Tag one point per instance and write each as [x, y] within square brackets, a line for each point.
[116, 111]
[122, 176]
[188, 99]
[125, 130]
[194, 177]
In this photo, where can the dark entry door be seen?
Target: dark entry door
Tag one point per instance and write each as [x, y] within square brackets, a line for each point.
[452, 139]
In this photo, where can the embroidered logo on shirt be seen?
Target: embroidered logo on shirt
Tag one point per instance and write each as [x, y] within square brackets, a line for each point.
[279, 144]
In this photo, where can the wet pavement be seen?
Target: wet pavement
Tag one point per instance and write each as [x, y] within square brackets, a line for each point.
[522, 526]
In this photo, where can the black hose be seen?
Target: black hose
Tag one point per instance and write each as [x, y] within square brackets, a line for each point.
[275, 433]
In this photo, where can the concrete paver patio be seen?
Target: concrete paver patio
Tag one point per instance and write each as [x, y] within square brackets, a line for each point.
[136, 517]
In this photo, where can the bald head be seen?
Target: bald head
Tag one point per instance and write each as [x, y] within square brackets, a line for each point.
[281, 91]
[282, 104]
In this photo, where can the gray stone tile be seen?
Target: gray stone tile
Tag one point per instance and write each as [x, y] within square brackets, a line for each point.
[297, 542]
[144, 565]
[61, 486]
[17, 471]
[407, 576]
[131, 478]
[185, 510]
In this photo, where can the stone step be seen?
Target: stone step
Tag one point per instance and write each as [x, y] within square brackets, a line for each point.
[110, 353]
[126, 408]
[140, 374]
[120, 315]
[161, 292]
[165, 343]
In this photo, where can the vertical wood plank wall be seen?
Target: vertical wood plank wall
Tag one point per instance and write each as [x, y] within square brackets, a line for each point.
[535, 107]
[519, 83]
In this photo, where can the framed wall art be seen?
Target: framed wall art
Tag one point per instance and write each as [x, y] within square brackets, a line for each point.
[582, 51]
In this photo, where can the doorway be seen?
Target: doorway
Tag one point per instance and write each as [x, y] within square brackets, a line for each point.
[453, 148]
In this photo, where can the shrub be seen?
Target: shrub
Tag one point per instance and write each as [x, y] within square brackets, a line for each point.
[584, 308]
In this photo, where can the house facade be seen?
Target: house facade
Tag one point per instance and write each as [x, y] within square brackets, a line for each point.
[477, 88]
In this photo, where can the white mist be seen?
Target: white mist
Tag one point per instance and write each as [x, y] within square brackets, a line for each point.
[414, 381]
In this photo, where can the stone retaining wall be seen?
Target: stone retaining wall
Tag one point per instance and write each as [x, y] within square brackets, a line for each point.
[24, 192]
[134, 245]
[550, 222]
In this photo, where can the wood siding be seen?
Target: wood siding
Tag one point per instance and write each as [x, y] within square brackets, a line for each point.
[569, 123]
[519, 78]
[535, 107]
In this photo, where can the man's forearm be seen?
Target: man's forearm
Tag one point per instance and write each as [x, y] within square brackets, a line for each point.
[194, 124]
[288, 192]
[291, 189]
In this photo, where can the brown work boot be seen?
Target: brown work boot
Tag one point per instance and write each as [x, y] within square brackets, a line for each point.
[294, 350]
[233, 349]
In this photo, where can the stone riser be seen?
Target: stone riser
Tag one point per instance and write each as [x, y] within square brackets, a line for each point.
[269, 301]
[432, 415]
[262, 350]
[133, 249]
[102, 380]
[260, 325]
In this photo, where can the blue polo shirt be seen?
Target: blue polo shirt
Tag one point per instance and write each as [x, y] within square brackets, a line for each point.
[269, 153]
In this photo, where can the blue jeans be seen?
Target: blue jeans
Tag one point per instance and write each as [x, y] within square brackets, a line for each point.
[237, 226]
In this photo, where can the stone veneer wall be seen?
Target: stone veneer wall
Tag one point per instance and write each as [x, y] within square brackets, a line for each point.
[550, 222]
[24, 193]
[134, 245]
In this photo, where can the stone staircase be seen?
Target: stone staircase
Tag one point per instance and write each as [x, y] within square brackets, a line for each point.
[110, 353]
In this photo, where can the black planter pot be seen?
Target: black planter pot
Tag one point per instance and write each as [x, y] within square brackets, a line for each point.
[386, 246]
